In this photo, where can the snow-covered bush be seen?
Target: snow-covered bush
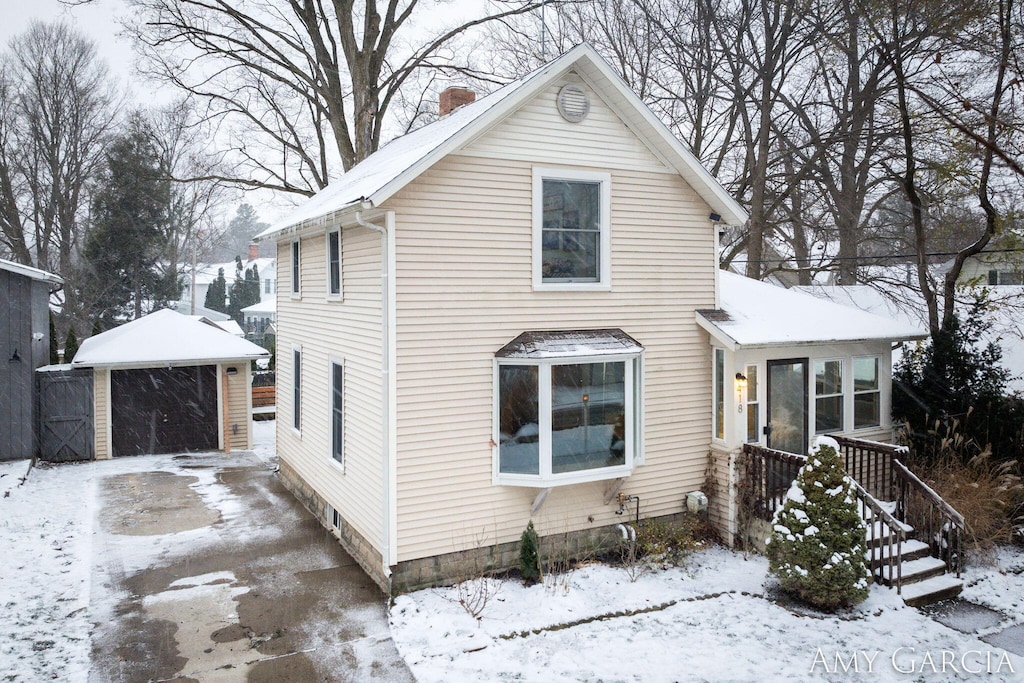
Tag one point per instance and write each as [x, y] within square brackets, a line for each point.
[817, 545]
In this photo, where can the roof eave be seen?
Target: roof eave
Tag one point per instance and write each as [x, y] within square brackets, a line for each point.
[717, 333]
[141, 365]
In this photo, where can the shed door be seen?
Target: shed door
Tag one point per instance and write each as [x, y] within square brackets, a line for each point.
[163, 410]
[787, 405]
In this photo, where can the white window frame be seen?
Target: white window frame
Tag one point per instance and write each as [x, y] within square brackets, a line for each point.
[297, 389]
[633, 381]
[842, 393]
[756, 403]
[718, 423]
[604, 283]
[333, 296]
[333, 450]
[295, 266]
[876, 390]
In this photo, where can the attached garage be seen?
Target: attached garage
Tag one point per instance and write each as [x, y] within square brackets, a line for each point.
[168, 383]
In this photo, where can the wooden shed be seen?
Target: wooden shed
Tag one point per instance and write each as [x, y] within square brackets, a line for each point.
[24, 346]
[167, 383]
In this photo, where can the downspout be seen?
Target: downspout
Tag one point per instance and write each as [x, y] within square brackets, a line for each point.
[387, 377]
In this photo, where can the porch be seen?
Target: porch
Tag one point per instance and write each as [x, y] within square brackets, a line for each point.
[914, 537]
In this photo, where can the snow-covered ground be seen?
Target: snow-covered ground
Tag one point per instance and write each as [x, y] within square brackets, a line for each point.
[714, 620]
[717, 619]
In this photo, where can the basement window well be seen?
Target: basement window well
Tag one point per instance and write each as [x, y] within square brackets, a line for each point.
[568, 407]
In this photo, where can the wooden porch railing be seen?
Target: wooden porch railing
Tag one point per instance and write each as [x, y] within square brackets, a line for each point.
[878, 475]
[941, 526]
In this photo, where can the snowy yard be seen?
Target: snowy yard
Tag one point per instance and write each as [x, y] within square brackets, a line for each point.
[714, 620]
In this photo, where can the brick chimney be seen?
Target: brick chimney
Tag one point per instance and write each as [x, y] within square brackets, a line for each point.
[453, 98]
[254, 251]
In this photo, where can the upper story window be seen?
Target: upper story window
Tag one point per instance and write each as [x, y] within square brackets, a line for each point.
[867, 397]
[571, 232]
[567, 416]
[828, 396]
[295, 269]
[334, 264]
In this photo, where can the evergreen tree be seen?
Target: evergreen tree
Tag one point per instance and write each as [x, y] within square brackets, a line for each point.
[129, 225]
[245, 291]
[216, 294]
[54, 350]
[529, 555]
[817, 545]
[242, 228]
[70, 345]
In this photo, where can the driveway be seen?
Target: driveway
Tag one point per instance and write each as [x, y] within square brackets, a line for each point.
[206, 569]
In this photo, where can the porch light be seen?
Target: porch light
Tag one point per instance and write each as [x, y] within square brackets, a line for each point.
[741, 390]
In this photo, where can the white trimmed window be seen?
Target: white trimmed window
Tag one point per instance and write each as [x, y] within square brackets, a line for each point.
[334, 264]
[753, 406]
[564, 418]
[867, 397]
[297, 388]
[571, 229]
[828, 396]
[718, 373]
[338, 411]
[295, 269]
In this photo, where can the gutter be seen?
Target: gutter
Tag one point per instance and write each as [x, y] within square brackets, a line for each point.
[389, 522]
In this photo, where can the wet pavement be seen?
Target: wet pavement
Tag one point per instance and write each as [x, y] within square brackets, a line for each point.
[990, 625]
[208, 570]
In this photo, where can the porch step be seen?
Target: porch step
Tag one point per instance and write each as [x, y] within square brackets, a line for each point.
[879, 533]
[912, 550]
[932, 590]
[913, 571]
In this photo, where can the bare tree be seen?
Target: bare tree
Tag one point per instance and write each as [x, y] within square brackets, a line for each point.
[297, 85]
[57, 109]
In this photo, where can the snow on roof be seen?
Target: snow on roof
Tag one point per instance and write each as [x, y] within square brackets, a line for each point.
[569, 343]
[205, 274]
[185, 308]
[164, 337]
[755, 313]
[265, 306]
[229, 325]
[31, 272]
[388, 169]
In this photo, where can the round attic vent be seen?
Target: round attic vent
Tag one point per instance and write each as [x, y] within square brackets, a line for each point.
[573, 103]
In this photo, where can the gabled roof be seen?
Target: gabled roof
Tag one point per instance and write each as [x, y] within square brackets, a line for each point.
[388, 170]
[164, 338]
[758, 314]
[31, 272]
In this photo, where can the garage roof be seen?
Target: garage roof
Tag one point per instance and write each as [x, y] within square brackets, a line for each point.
[164, 338]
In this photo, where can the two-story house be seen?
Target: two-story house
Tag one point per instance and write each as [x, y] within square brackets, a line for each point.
[495, 319]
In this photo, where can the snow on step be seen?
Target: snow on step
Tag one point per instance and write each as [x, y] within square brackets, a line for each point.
[909, 548]
[913, 568]
[939, 584]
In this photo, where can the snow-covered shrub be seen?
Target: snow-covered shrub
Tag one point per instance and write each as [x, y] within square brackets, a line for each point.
[817, 545]
[529, 555]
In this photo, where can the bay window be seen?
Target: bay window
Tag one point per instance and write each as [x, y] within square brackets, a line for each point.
[569, 417]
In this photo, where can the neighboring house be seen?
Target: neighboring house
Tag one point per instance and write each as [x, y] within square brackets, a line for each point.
[24, 346]
[207, 273]
[259, 319]
[166, 383]
[495, 319]
[1004, 265]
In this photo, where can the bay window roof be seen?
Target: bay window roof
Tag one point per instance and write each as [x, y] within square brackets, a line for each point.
[570, 344]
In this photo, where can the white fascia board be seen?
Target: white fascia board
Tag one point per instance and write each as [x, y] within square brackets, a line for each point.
[638, 116]
[527, 90]
[716, 333]
[168, 364]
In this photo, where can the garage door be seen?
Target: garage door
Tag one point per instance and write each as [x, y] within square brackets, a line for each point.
[163, 410]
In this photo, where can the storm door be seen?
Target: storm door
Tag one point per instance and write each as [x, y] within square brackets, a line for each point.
[787, 405]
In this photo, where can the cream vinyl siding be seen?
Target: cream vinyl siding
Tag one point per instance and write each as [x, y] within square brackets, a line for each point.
[464, 289]
[239, 400]
[101, 412]
[350, 329]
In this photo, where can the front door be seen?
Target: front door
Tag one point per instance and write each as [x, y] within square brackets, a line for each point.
[787, 405]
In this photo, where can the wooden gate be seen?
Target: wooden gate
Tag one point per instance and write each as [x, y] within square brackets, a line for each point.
[65, 427]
